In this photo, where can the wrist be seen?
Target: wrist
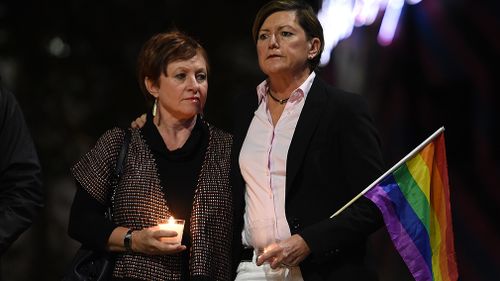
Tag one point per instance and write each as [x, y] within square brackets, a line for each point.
[127, 241]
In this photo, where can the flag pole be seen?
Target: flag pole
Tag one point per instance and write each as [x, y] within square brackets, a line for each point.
[408, 156]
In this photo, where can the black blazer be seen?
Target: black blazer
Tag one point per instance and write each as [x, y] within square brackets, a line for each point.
[334, 154]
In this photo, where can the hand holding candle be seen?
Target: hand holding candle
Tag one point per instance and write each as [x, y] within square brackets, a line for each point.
[172, 224]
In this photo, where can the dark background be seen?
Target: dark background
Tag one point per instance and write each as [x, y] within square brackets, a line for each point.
[71, 64]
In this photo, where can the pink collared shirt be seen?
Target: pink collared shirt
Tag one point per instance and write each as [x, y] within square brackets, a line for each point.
[262, 162]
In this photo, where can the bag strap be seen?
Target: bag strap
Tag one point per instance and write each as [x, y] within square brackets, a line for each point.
[120, 164]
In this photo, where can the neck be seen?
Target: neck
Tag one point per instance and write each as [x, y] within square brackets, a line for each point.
[175, 132]
[281, 86]
[280, 101]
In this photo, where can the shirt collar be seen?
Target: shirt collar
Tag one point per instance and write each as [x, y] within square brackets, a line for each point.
[302, 89]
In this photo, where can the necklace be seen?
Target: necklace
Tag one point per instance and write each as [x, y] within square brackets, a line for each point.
[283, 101]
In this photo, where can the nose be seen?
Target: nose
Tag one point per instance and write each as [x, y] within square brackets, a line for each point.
[273, 41]
[193, 84]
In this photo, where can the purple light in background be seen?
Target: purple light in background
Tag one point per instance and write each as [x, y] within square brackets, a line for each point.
[390, 22]
[338, 18]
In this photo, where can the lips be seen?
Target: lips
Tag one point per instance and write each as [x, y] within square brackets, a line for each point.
[193, 99]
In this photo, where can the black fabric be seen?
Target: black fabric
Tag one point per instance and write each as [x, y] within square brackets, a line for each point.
[21, 194]
[87, 223]
[334, 154]
[178, 168]
[247, 254]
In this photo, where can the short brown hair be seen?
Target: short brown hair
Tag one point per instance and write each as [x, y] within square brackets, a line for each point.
[306, 17]
[162, 49]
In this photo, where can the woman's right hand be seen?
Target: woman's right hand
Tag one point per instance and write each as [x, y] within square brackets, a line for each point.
[148, 241]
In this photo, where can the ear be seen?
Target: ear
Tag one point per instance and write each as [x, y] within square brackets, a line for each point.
[314, 47]
[151, 86]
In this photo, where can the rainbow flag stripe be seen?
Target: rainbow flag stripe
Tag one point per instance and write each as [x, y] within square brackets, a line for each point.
[414, 201]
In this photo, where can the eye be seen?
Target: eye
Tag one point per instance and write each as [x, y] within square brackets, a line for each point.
[286, 34]
[180, 76]
[263, 36]
[201, 76]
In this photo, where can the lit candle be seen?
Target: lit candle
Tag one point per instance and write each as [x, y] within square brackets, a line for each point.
[176, 225]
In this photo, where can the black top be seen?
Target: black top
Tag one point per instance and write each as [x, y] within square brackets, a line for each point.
[178, 171]
[21, 194]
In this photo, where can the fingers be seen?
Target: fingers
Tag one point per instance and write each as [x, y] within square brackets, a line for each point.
[139, 122]
[167, 248]
[164, 233]
[270, 254]
[149, 241]
[289, 252]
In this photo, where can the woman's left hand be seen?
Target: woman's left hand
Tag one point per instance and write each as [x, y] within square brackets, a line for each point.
[289, 252]
[148, 241]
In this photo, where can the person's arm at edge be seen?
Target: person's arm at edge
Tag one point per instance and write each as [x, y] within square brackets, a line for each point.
[21, 193]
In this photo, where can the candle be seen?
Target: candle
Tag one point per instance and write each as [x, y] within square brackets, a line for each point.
[176, 225]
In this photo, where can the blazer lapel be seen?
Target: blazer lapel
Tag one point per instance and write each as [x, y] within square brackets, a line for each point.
[306, 125]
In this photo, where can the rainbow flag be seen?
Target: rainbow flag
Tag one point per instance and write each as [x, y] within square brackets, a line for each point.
[414, 201]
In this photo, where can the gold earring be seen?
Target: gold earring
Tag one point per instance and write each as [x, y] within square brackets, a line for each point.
[155, 105]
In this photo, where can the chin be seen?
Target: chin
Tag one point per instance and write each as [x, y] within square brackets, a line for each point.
[274, 68]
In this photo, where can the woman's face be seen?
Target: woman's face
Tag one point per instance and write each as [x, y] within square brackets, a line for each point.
[182, 93]
[282, 46]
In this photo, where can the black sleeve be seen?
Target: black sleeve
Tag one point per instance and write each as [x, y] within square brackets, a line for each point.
[21, 195]
[362, 163]
[87, 222]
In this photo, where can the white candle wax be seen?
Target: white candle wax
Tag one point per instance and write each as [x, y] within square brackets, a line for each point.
[176, 225]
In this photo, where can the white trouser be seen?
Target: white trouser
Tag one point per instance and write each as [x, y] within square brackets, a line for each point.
[250, 271]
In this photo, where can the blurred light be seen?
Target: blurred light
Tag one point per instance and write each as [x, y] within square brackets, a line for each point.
[338, 18]
[390, 22]
[366, 11]
[58, 48]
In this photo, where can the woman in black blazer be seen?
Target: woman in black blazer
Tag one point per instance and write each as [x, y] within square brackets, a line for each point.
[332, 153]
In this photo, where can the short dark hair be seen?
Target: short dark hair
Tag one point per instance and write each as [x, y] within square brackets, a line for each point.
[306, 17]
[162, 49]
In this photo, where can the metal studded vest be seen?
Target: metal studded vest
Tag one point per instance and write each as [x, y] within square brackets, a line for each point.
[139, 202]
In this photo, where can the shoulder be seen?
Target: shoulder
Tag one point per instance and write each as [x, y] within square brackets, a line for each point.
[345, 100]
[218, 133]
[112, 136]
[108, 144]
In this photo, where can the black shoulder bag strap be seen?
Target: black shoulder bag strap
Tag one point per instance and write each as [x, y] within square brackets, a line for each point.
[120, 165]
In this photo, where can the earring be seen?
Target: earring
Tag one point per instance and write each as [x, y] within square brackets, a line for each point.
[155, 105]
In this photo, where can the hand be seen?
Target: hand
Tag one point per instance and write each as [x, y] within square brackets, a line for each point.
[139, 122]
[289, 252]
[148, 241]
